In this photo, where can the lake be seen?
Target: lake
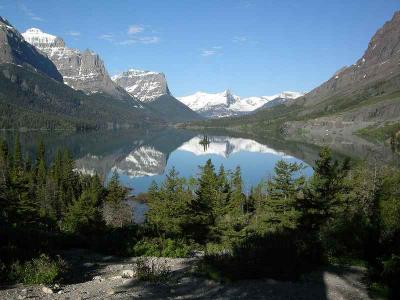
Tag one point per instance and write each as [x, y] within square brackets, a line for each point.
[141, 156]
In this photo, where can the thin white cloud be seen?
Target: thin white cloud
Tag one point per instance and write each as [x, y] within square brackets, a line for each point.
[29, 13]
[136, 34]
[135, 29]
[208, 52]
[240, 39]
[211, 51]
[107, 37]
[140, 40]
[73, 33]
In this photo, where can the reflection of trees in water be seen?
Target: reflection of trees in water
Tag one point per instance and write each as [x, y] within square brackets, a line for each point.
[205, 142]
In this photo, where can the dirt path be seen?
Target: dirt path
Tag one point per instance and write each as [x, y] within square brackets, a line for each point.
[102, 277]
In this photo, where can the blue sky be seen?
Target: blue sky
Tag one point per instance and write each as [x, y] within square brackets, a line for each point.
[253, 47]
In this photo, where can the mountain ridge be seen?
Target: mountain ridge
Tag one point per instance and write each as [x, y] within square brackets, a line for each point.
[151, 88]
[226, 104]
[81, 70]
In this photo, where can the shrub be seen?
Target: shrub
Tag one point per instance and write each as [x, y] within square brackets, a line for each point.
[150, 269]
[39, 270]
[160, 247]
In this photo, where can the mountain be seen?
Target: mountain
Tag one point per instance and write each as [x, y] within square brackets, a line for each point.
[363, 98]
[16, 51]
[81, 70]
[226, 104]
[32, 94]
[380, 62]
[152, 89]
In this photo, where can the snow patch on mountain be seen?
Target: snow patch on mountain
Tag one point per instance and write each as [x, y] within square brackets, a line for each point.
[226, 104]
[35, 36]
[81, 70]
[143, 85]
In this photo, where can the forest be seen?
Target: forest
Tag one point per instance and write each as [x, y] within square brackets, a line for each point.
[287, 225]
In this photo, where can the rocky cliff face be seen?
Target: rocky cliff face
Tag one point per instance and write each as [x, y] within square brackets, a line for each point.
[14, 49]
[380, 62]
[81, 70]
[152, 88]
[144, 85]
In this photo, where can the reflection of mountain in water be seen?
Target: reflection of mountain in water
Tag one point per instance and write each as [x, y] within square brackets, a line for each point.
[226, 146]
[144, 161]
[142, 155]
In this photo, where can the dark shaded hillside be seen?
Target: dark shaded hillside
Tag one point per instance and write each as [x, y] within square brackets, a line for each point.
[32, 100]
[14, 49]
[172, 110]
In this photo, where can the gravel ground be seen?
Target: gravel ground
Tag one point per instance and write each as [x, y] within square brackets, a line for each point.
[107, 277]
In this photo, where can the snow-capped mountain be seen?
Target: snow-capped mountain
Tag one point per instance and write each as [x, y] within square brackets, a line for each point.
[15, 50]
[226, 104]
[81, 70]
[144, 85]
[152, 88]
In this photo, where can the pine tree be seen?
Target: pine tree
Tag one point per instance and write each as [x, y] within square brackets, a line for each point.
[116, 212]
[201, 206]
[281, 210]
[326, 191]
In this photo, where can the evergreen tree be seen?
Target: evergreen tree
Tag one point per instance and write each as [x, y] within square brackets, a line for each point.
[169, 206]
[326, 190]
[116, 212]
[280, 210]
[201, 206]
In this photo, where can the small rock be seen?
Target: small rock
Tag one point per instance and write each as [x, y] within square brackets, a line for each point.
[47, 290]
[127, 274]
[110, 292]
[23, 291]
[60, 292]
[116, 277]
[98, 278]
[21, 297]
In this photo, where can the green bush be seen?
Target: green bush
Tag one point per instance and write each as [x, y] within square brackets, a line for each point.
[152, 270]
[160, 247]
[41, 270]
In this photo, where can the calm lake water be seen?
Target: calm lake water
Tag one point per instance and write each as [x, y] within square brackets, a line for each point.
[141, 156]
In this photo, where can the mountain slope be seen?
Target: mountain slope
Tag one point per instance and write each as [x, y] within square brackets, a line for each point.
[152, 89]
[226, 104]
[13, 49]
[32, 94]
[81, 70]
[32, 100]
[364, 95]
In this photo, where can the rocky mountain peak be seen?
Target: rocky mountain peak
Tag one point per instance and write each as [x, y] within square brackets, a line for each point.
[385, 42]
[81, 70]
[15, 50]
[379, 63]
[144, 85]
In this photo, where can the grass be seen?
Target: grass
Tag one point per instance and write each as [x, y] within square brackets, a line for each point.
[381, 133]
